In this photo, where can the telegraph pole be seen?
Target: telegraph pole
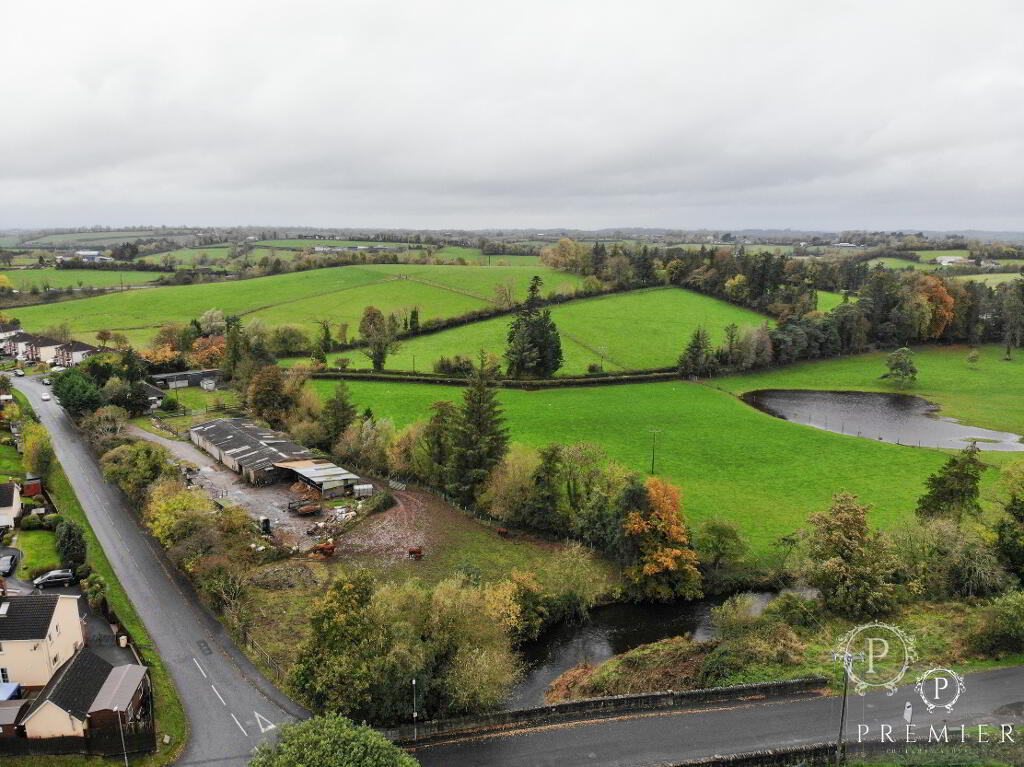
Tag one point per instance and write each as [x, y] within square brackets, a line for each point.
[415, 732]
[848, 659]
[654, 442]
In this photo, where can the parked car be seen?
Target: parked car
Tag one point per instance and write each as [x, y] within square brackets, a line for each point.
[7, 564]
[45, 396]
[54, 578]
[19, 372]
[47, 382]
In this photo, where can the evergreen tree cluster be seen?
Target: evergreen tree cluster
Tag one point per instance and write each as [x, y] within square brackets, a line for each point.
[534, 348]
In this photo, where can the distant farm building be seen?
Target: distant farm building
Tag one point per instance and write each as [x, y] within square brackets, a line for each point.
[89, 256]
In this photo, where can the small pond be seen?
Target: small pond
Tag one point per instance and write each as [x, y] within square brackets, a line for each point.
[902, 419]
[610, 630]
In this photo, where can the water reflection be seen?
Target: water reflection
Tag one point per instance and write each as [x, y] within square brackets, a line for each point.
[898, 418]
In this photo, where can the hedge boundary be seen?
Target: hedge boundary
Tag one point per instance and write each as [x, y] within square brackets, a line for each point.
[656, 374]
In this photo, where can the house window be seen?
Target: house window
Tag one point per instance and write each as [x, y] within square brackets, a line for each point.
[4, 676]
[1, 648]
[57, 629]
[56, 658]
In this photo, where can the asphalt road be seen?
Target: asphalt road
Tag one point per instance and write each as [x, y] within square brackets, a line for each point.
[230, 705]
[991, 697]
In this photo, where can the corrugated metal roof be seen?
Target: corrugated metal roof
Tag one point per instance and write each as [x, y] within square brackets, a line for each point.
[318, 472]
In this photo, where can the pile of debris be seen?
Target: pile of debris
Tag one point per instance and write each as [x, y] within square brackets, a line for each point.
[308, 503]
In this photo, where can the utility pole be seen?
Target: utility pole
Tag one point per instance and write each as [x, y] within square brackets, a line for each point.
[654, 442]
[848, 659]
[415, 732]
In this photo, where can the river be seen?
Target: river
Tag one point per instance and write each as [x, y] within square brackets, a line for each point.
[611, 630]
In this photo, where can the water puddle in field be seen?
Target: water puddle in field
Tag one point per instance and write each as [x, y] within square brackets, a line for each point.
[901, 419]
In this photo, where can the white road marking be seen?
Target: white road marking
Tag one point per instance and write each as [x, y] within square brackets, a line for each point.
[217, 694]
[240, 725]
[200, 669]
[264, 724]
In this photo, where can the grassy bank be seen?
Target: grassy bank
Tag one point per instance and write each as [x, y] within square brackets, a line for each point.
[939, 631]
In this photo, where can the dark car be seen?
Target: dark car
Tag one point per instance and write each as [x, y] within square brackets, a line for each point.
[7, 564]
[54, 578]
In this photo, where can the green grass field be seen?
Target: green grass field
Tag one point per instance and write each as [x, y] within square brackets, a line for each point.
[929, 255]
[735, 462]
[39, 550]
[338, 294]
[92, 238]
[732, 461]
[24, 279]
[902, 263]
[989, 279]
[827, 301]
[297, 243]
[630, 331]
[10, 463]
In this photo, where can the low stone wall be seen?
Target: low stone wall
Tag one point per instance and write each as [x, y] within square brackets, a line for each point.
[811, 754]
[596, 708]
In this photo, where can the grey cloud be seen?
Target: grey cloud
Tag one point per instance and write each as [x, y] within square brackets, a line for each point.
[589, 114]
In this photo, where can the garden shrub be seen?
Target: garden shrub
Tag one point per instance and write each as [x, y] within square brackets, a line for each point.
[735, 660]
[1000, 626]
[795, 610]
[380, 502]
[31, 522]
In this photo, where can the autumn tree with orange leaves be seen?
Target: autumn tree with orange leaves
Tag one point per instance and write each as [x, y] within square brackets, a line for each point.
[207, 352]
[657, 557]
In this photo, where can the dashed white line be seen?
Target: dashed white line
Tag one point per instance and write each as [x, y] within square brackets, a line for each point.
[240, 725]
[217, 694]
[200, 669]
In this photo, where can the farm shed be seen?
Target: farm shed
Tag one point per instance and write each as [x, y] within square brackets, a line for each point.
[326, 478]
[185, 378]
[247, 448]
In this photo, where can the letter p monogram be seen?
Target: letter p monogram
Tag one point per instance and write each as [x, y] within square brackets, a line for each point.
[881, 652]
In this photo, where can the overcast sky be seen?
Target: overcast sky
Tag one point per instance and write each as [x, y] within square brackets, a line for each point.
[590, 114]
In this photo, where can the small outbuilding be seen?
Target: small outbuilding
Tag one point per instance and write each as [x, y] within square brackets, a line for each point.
[206, 378]
[326, 478]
